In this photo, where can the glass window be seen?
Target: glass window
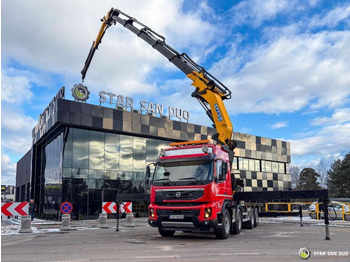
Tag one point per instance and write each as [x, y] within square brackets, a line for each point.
[218, 168]
[96, 150]
[274, 167]
[68, 147]
[251, 164]
[263, 166]
[186, 171]
[245, 164]
[151, 150]
[139, 155]
[80, 148]
[79, 173]
[281, 168]
[126, 143]
[257, 165]
[287, 168]
[112, 149]
[234, 163]
[268, 167]
[240, 163]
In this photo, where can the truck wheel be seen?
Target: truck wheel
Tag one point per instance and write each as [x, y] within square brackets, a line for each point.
[166, 233]
[250, 223]
[237, 226]
[256, 217]
[223, 232]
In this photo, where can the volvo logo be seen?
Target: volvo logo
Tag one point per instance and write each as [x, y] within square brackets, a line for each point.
[178, 194]
[80, 92]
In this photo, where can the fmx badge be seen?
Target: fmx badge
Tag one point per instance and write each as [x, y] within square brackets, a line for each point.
[304, 253]
[80, 92]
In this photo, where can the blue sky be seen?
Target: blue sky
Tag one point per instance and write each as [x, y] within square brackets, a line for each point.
[286, 63]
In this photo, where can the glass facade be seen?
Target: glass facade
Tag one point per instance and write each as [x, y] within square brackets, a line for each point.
[87, 167]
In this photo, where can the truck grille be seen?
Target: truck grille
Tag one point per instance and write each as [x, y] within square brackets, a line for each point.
[162, 195]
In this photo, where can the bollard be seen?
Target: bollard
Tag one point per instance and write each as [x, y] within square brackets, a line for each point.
[65, 224]
[26, 225]
[130, 220]
[103, 220]
[326, 218]
[301, 215]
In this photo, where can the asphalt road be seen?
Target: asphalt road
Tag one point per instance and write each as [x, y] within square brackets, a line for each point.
[267, 242]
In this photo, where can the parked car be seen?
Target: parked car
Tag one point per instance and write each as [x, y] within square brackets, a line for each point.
[335, 210]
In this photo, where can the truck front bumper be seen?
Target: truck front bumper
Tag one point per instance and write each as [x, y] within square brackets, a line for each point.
[186, 224]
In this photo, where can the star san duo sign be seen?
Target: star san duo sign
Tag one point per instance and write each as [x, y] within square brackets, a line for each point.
[81, 93]
[120, 101]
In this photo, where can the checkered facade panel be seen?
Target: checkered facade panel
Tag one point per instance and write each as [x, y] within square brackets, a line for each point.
[124, 122]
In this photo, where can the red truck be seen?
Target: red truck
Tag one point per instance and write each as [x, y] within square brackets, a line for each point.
[193, 191]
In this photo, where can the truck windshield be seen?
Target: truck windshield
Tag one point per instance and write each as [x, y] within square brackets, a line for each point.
[194, 171]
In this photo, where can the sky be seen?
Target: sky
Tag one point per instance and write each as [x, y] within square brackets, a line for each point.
[286, 63]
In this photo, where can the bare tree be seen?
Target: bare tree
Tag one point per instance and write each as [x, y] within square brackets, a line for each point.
[294, 172]
[322, 171]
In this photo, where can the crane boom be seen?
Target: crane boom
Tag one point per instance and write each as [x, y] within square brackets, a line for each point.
[209, 91]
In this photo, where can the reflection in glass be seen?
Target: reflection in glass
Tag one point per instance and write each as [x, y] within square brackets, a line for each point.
[234, 164]
[251, 165]
[281, 168]
[257, 165]
[80, 148]
[112, 149]
[79, 173]
[125, 163]
[274, 167]
[96, 150]
[268, 166]
[185, 170]
[68, 147]
[139, 154]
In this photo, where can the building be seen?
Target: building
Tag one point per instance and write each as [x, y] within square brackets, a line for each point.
[86, 154]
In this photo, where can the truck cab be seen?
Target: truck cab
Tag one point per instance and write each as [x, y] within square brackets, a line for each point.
[191, 189]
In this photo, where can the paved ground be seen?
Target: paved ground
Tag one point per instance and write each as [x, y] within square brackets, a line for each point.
[267, 242]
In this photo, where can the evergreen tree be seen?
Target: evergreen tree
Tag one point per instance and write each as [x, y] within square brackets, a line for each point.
[308, 180]
[339, 178]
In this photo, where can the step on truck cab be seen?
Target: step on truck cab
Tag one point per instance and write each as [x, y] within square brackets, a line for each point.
[193, 191]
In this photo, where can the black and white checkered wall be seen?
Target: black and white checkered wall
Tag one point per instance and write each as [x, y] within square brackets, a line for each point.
[133, 123]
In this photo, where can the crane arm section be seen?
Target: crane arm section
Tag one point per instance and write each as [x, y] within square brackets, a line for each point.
[209, 91]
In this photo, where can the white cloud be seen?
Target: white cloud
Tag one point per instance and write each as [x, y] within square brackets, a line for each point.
[332, 18]
[279, 125]
[255, 12]
[8, 170]
[15, 89]
[123, 63]
[16, 130]
[292, 72]
[329, 140]
[340, 115]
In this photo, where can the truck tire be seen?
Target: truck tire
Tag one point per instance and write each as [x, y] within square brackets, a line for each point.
[223, 232]
[166, 233]
[256, 217]
[250, 223]
[237, 226]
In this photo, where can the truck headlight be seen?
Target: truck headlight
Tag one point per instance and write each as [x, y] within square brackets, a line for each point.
[207, 212]
[151, 213]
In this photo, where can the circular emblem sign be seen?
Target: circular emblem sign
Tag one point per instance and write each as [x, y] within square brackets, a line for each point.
[66, 208]
[80, 92]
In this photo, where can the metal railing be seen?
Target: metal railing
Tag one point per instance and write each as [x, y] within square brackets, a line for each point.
[293, 207]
